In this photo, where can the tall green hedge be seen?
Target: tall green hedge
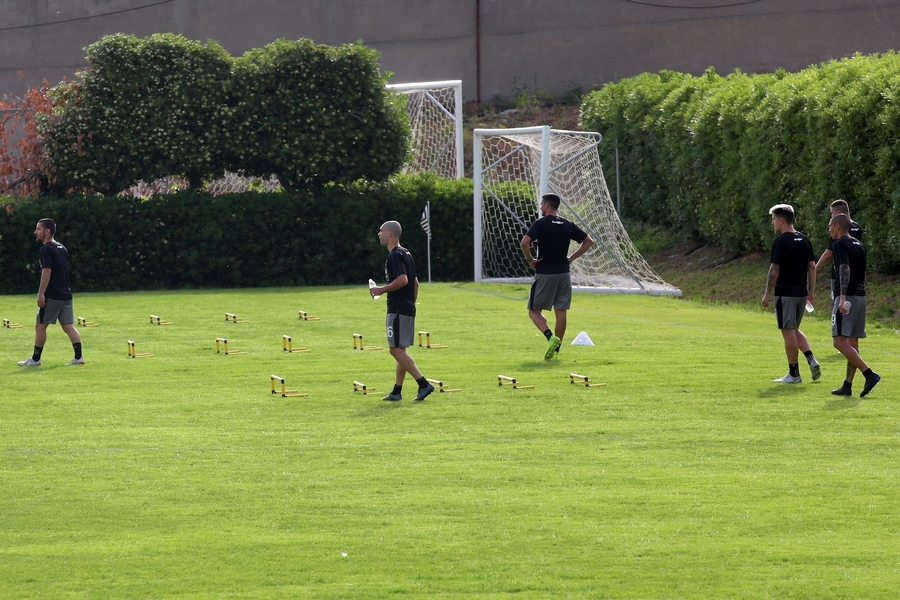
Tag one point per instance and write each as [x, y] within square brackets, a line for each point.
[709, 155]
[192, 239]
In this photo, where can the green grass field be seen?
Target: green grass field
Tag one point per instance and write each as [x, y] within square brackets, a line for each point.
[689, 475]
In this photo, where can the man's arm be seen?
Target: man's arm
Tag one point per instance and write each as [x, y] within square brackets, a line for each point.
[811, 274]
[823, 260]
[587, 243]
[398, 282]
[770, 282]
[416, 290]
[526, 250]
[844, 280]
[45, 281]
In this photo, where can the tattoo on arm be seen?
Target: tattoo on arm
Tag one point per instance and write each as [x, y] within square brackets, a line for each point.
[845, 278]
[773, 277]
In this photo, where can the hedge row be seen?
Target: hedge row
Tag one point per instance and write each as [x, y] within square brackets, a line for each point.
[192, 239]
[709, 155]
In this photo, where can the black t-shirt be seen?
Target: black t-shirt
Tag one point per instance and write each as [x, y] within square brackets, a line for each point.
[402, 301]
[551, 235]
[55, 257]
[848, 251]
[855, 232]
[792, 252]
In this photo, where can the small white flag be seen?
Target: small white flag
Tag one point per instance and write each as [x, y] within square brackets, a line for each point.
[426, 219]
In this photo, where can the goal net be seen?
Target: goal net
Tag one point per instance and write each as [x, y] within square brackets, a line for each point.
[435, 114]
[513, 168]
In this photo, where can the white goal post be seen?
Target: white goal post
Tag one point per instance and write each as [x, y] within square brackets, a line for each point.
[513, 168]
[435, 110]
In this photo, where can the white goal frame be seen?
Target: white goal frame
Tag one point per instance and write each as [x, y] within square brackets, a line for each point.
[436, 145]
[512, 169]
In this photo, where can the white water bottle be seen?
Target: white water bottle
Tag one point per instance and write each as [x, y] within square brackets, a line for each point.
[809, 307]
[372, 285]
[846, 305]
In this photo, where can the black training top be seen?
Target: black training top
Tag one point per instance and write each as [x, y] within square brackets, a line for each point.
[855, 232]
[792, 252]
[551, 235]
[848, 251]
[55, 257]
[402, 301]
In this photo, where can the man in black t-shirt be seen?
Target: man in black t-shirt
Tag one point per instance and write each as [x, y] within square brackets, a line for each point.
[848, 315]
[54, 297]
[552, 286]
[838, 207]
[792, 275]
[402, 290]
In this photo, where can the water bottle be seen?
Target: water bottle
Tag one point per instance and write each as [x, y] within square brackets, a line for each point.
[846, 305]
[809, 307]
[372, 285]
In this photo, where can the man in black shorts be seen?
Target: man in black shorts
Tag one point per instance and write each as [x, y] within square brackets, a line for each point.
[791, 267]
[54, 297]
[402, 289]
[552, 287]
[848, 315]
[838, 207]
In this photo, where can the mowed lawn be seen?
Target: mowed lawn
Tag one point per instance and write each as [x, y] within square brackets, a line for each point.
[688, 475]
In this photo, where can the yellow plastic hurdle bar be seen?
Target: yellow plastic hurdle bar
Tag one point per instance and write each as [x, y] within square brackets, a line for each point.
[505, 380]
[82, 322]
[359, 386]
[288, 346]
[133, 354]
[358, 343]
[583, 380]
[233, 318]
[428, 343]
[10, 325]
[440, 385]
[224, 343]
[285, 393]
[305, 317]
[155, 320]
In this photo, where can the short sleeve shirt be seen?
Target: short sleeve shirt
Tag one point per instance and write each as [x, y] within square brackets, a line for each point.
[403, 301]
[849, 251]
[856, 232]
[792, 252]
[55, 257]
[551, 235]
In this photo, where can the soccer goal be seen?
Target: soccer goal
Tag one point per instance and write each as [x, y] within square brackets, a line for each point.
[513, 168]
[435, 111]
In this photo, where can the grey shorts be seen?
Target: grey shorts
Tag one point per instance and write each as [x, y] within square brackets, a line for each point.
[55, 310]
[853, 324]
[789, 311]
[552, 290]
[400, 330]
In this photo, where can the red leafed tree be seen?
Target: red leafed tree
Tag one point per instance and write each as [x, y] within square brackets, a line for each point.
[22, 155]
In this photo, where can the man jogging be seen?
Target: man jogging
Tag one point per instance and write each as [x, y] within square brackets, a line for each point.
[54, 297]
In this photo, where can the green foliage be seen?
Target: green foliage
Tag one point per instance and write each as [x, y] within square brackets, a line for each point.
[707, 156]
[164, 105]
[315, 114]
[193, 239]
[147, 108]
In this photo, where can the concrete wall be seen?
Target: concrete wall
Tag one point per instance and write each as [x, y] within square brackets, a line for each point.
[552, 45]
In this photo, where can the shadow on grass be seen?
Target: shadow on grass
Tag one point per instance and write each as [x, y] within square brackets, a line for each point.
[842, 403]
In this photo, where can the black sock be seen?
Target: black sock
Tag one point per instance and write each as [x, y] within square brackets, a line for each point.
[37, 353]
[77, 347]
[423, 383]
[548, 334]
[794, 369]
[397, 389]
[847, 385]
[867, 373]
[809, 356]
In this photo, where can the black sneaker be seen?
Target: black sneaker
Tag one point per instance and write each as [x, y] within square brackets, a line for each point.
[842, 391]
[871, 382]
[424, 392]
[393, 397]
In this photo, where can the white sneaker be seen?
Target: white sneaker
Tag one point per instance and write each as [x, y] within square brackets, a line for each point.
[77, 361]
[814, 369]
[788, 379]
[29, 363]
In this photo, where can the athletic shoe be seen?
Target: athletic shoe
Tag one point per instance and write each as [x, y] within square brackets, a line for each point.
[29, 362]
[553, 344]
[815, 369]
[393, 397]
[842, 391]
[871, 382]
[423, 392]
[77, 361]
[788, 379]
